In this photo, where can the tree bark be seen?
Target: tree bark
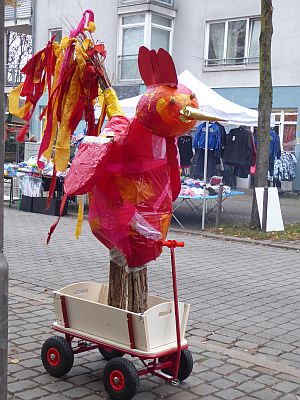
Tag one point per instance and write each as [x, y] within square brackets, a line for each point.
[137, 291]
[264, 105]
[127, 290]
[118, 283]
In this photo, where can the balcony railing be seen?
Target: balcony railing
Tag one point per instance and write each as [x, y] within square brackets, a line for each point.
[21, 10]
[128, 68]
[169, 3]
[13, 74]
[221, 62]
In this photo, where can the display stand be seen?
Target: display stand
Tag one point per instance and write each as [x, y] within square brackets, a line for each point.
[39, 204]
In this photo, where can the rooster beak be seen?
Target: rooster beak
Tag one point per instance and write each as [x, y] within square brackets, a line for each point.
[190, 113]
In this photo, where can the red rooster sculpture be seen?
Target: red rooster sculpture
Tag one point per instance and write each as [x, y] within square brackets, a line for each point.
[133, 178]
[131, 170]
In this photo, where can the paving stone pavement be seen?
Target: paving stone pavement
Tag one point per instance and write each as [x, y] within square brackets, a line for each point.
[243, 328]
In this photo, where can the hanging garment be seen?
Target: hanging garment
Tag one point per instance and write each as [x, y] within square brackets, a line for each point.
[223, 141]
[216, 144]
[214, 137]
[274, 151]
[197, 172]
[239, 149]
[194, 170]
[185, 147]
[285, 167]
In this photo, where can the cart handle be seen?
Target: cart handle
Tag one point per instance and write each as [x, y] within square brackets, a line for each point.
[171, 243]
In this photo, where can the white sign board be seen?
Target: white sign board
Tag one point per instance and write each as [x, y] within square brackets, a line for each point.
[274, 217]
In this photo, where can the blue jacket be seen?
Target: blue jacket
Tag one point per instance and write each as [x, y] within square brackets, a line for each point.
[214, 137]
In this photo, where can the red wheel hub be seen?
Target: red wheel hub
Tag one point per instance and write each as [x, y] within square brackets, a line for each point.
[117, 380]
[53, 357]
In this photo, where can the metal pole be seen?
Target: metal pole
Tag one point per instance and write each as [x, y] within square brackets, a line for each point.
[219, 206]
[176, 309]
[265, 209]
[205, 173]
[3, 263]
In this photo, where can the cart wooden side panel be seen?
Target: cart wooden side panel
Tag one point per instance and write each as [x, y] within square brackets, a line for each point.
[84, 304]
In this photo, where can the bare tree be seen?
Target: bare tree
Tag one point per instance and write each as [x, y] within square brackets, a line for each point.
[19, 50]
[264, 105]
[19, 47]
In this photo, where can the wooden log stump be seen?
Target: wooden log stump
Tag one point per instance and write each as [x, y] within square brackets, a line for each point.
[118, 284]
[137, 291]
[127, 290]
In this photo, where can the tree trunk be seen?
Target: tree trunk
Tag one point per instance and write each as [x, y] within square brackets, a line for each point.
[137, 291]
[264, 105]
[118, 283]
[127, 290]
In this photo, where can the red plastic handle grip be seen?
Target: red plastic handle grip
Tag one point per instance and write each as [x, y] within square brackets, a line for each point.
[171, 243]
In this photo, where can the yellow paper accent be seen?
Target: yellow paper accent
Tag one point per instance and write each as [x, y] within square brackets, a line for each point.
[95, 224]
[81, 56]
[79, 218]
[66, 42]
[62, 151]
[165, 220]
[113, 105]
[86, 43]
[13, 103]
[101, 97]
[91, 27]
[134, 191]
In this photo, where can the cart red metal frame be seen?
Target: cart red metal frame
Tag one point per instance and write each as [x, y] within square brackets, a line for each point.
[164, 364]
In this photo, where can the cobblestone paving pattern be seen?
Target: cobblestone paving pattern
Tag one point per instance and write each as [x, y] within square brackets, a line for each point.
[243, 327]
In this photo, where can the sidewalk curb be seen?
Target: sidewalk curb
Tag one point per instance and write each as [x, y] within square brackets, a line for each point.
[224, 237]
[235, 239]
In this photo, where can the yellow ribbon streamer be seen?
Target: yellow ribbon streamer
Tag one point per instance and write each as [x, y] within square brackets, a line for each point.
[112, 103]
[13, 103]
[62, 151]
[79, 218]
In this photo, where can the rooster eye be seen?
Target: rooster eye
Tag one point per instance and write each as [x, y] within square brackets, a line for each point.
[192, 96]
[172, 100]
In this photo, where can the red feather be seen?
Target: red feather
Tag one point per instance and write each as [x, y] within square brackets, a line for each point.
[167, 68]
[145, 66]
[157, 68]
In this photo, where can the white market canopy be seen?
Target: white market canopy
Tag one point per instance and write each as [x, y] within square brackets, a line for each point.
[209, 101]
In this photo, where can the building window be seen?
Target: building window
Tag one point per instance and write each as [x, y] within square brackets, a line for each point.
[57, 32]
[286, 120]
[148, 29]
[232, 42]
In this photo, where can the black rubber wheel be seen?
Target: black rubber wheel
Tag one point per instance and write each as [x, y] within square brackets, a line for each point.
[110, 354]
[57, 356]
[121, 379]
[185, 366]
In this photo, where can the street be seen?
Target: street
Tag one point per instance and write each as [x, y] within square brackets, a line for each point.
[244, 324]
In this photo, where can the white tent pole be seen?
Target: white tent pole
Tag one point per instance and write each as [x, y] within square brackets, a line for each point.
[205, 174]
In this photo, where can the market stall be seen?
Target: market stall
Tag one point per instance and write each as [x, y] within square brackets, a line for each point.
[33, 187]
[212, 103]
[195, 195]
[209, 101]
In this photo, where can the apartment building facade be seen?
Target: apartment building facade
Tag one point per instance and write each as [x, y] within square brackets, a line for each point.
[218, 41]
